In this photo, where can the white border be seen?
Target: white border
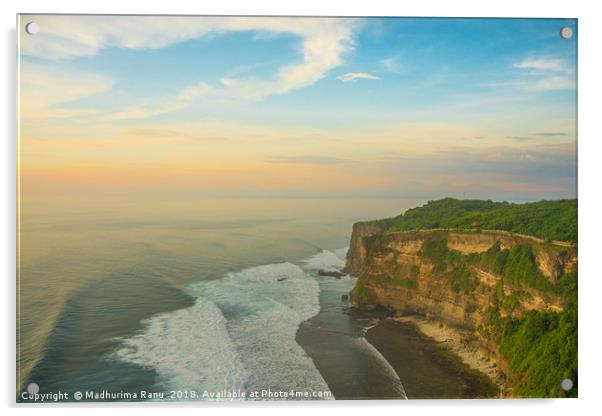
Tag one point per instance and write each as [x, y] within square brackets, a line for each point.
[590, 138]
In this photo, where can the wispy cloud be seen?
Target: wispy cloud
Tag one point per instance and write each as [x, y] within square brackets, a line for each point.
[553, 83]
[545, 74]
[308, 160]
[191, 92]
[517, 169]
[45, 89]
[324, 42]
[151, 132]
[352, 76]
[546, 64]
[69, 36]
[551, 134]
[181, 100]
[543, 134]
[391, 64]
[545, 83]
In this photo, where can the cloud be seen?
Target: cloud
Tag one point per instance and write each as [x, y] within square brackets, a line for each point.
[551, 134]
[69, 36]
[547, 171]
[151, 132]
[391, 64]
[542, 64]
[181, 100]
[43, 89]
[552, 84]
[528, 157]
[544, 134]
[308, 160]
[191, 92]
[324, 41]
[159, 133]
[352, 76]
[546, 70]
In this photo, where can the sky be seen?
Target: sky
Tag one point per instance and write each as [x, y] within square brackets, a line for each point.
[284, 106]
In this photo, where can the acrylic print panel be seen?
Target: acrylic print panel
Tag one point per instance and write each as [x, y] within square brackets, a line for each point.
[293, 208]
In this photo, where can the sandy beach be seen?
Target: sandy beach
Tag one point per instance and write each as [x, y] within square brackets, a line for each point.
[458, 342]
[426, 370]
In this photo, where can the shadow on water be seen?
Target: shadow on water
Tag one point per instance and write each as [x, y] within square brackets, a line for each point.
[77, 352]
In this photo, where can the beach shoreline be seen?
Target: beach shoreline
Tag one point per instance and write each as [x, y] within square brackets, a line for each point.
[459, 343]
[430, 365]
[334, 339]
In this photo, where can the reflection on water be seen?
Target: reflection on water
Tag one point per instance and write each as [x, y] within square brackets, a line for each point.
[92, 269]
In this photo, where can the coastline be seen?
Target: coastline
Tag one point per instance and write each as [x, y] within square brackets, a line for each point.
[378, 356]
[334, 339]
[458, 342]
[427, 370]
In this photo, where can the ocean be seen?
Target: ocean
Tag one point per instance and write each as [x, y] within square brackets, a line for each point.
[195, 295]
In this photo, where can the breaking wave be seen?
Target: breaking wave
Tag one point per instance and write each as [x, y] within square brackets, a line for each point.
[239, 334]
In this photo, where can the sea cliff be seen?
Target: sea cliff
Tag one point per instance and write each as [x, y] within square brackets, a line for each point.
[496, 288]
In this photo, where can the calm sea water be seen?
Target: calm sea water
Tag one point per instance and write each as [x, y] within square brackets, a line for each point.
[129, 294]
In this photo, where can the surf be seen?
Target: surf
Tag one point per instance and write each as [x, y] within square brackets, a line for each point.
[238, 335]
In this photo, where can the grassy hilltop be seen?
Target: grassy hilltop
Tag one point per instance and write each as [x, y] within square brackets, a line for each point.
[549, 220]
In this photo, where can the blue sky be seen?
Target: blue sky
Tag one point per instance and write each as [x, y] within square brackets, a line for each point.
[420, 63]
[502, 91]
[425, 64]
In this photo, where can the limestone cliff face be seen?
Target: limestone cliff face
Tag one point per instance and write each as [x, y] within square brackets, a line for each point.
[397, 256]
[358, 247]
[395, 274]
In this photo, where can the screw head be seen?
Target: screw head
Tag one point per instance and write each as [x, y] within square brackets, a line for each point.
[566, 384]
[33, 388]
[566, 32]
[32, 28]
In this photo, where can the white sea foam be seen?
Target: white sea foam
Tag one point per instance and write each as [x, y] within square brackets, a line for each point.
[240, 333]
[265, 306]
[341, 252]
[189, 349]
[325, 260]
[389, 371]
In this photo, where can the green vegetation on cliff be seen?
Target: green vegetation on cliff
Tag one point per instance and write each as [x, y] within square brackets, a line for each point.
[385, 279]
[461, 279]
[528, 317]
[541, 346]
[360, 290]
[549, 220]
[516, 265]
[437, 252]
[450, 263]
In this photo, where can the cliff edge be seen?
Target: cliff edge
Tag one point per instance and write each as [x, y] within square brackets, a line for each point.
[514, 295]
